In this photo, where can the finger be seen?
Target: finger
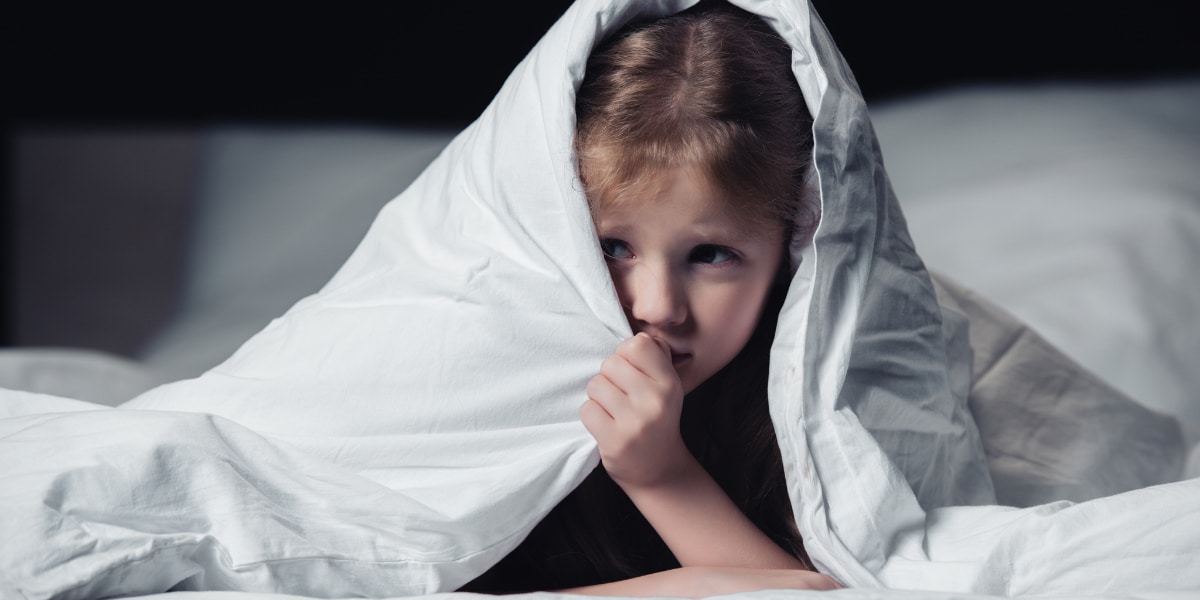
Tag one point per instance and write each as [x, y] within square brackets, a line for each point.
[642, 337]
[595, 419]
[650, 356]
[662, 344]
[623, 374]
[602, 391]
[642, 395]
[599, 424]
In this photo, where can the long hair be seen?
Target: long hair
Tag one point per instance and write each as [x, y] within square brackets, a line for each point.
[710, 87]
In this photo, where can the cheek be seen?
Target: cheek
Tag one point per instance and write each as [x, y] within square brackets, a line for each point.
[626, 292]
[732, 316]
[621, 285]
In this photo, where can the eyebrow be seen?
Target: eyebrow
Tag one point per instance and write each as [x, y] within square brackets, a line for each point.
[715, 227]
[728, 228]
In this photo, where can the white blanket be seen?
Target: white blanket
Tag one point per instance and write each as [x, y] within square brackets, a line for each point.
[400, 431]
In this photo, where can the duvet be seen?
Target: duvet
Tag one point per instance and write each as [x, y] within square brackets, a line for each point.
[398, 432]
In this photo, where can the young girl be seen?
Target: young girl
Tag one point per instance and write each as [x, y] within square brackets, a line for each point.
[693, 143]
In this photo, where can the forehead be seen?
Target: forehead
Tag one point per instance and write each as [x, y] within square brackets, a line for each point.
[671, 196]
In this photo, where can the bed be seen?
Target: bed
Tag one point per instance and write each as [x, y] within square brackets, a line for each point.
[1060, 224]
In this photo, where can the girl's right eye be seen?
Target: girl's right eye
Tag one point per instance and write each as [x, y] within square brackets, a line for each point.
[615, 249]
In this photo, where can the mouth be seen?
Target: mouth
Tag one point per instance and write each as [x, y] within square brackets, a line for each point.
[678, 357]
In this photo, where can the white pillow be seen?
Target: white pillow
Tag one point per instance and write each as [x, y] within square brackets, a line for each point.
[1074, 207]
[278, 211]
[87, 375]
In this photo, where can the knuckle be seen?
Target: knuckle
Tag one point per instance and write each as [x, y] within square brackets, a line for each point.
[610, 364]
[673, 388]
[646, 346]
[594, 387]
[656, 412]
[589, 413]
[634, 345]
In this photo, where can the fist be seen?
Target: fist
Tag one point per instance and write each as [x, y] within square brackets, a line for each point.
[633, 410]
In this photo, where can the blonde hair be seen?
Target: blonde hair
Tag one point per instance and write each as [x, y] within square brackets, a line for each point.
[710, 88]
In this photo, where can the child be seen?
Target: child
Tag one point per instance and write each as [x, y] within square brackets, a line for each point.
[693, 142]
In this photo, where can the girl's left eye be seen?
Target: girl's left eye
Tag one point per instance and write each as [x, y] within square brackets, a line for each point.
[710, 254]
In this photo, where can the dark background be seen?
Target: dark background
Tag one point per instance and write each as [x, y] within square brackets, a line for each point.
[442, 62]
[138, 85]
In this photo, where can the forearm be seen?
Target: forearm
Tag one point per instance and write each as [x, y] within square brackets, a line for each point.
[703, 527]
[698, 582]
[662, 583]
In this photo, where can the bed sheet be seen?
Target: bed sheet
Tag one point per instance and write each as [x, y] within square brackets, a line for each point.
[140, 501]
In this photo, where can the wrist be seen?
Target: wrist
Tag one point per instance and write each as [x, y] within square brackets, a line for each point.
[684, 476]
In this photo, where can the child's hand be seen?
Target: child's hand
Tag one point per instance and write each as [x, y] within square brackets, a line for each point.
[633, 410]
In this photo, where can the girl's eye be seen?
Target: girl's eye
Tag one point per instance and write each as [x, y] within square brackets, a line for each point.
[710, 254]
[615, 249]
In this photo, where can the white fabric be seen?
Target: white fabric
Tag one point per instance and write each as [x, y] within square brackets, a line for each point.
[75, 373]
[278, 211]
[1051, 429]
[401, 430]
[1077, 208]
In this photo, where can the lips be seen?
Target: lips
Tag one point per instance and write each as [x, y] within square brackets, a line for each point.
[678, 358]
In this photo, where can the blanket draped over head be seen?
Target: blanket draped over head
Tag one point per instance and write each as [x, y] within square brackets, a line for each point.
[400, 431]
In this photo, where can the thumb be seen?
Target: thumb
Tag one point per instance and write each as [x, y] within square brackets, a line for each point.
[662, 345]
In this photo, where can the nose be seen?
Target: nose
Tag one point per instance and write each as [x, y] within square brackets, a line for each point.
[653, 297]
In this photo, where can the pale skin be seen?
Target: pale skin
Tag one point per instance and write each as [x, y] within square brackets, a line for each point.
[692, 280]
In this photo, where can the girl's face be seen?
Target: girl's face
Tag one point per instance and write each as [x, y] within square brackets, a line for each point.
[686, 272]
